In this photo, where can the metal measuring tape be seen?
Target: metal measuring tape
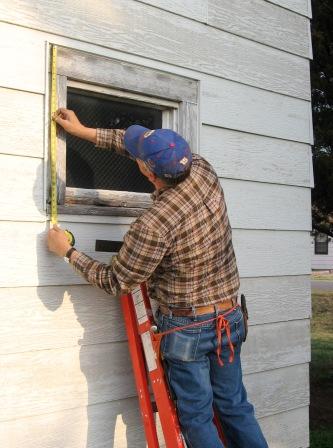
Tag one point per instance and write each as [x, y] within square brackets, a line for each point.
[53, 146]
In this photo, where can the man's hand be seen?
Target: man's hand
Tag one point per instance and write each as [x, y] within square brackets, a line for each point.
[57, 241]
[68, 120]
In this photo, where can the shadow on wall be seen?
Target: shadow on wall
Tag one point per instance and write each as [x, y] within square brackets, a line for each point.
[89, 369]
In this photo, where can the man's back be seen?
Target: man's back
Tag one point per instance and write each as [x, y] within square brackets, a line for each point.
[199, 265]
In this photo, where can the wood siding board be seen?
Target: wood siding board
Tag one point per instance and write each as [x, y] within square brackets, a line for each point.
[299, 6]
[104, 425]
[90, 374]
[150, 32]
[275, 253]
[95, 69]
[259, 253]
[21, 114]
[24, 54]
[118, 424]
[57, 317]
[191, 9]
[259, 203]
[263, 22]
[230, 105]
[267, 390]
[274, 299]
[309, 9]
[276, 345]
[21, 186]
[240, 155]
[289, 429]
[311, 124]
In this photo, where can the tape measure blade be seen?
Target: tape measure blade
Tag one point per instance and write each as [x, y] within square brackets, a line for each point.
[53, 137]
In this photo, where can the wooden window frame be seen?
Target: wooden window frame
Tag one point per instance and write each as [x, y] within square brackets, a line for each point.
[175, 95]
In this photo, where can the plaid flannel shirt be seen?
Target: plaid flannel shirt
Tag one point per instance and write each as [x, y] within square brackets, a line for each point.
[181, 246]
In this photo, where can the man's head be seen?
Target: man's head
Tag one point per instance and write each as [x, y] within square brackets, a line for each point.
[161, 152]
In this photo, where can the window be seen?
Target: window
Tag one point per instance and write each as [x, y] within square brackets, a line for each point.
[108, 93]
[321, 244]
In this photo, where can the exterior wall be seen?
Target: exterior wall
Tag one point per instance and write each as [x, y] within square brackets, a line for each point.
[322, 262]
[64, 359]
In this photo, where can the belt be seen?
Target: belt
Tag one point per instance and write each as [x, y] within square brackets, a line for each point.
[197, 310]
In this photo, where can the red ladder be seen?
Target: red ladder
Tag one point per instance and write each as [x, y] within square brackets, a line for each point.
[147, 365]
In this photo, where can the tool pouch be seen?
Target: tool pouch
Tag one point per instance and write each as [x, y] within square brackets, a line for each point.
[245, 315]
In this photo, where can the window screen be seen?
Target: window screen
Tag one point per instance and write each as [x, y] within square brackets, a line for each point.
[89, 167]
[321, 244]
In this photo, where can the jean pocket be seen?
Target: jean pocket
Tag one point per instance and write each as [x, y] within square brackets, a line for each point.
[180, 345]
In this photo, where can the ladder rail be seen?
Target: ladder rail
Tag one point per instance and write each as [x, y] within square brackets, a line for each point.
[138, 362]
[148, 366]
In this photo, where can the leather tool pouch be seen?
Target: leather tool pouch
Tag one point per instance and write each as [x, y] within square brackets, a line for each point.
[245, 315]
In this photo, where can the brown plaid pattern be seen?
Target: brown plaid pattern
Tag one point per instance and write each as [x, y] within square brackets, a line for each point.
[181, 246]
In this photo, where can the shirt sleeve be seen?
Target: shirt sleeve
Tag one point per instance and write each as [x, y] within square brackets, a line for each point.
[112, 139]
[141, 253]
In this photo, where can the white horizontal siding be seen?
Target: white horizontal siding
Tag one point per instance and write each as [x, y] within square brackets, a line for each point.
[66, 320]
[22, 116]
[37, 318]
[118, 423]
[151, 32]
[270, 253]
[24, 53]
[230, 105]
[254, 205]
[240, 155]
[22, 188]
[263, 22]
[192, 9]
[29, 263]
[289, 429]
[300, 6]
[99, 373]
[275, 299]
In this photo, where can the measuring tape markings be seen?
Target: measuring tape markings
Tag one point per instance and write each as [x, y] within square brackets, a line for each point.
[53, 146]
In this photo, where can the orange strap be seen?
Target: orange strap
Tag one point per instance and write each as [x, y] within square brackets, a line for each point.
[221, 324]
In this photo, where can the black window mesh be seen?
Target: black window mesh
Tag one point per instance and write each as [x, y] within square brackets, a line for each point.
[88, 167]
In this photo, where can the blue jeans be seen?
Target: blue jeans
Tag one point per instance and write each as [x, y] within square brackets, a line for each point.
[199, 383]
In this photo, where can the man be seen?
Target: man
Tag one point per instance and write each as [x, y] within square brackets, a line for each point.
[182, 248]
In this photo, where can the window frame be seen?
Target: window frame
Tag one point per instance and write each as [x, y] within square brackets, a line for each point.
[175, 95]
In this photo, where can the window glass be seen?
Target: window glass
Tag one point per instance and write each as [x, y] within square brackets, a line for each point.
[92, 168]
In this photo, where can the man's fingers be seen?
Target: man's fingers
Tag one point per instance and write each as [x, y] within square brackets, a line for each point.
[56, 228]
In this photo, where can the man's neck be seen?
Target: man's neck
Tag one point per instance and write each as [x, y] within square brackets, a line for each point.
[159, 184]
